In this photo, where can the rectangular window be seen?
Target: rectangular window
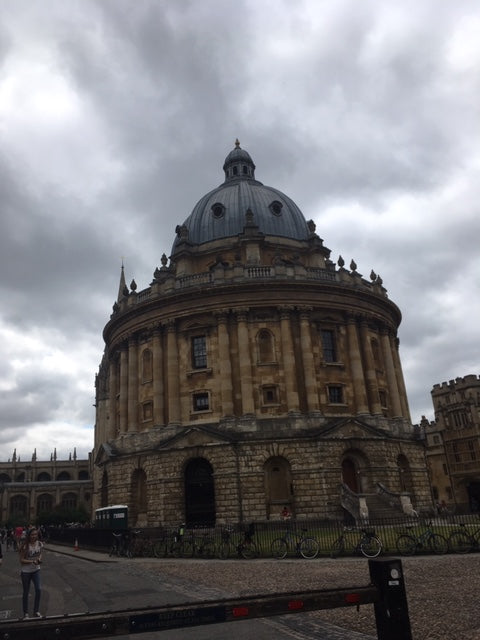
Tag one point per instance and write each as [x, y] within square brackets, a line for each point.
[201, 401]
[199, 352]
[270, 395]
[382, 394]
[445, 470]
[335, 394]
[329, 346]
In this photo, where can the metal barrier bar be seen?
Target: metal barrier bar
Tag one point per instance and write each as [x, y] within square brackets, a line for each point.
[387, 593]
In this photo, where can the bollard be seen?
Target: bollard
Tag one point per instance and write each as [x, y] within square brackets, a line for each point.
[391, 611]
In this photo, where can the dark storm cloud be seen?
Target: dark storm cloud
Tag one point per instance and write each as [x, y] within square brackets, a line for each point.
[116, 118]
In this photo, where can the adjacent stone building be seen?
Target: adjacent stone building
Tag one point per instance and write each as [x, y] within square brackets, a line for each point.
[252, 373]
[453, 443]
[35, 487]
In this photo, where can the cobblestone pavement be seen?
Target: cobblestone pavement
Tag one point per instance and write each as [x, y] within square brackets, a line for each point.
[442, 591]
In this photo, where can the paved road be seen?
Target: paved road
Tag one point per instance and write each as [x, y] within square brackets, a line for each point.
[76, 582]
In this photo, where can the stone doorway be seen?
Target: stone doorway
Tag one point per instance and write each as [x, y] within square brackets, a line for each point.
[199, 494]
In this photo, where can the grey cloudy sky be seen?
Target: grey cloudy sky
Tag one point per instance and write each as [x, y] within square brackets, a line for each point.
[116, 116]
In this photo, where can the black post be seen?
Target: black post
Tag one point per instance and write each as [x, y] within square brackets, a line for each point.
[391, 611]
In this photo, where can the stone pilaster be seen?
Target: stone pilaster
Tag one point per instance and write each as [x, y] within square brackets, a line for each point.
[158, 382]
[111, 430]
[394, 395]
[123, 402]
[245, 362]
[225, 366]
[370, 374]
[173, 403]
[354, 357]
[307, 357]
[289, 365]
[132, 384]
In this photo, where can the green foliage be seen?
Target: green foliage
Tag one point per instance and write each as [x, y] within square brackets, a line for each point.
[60, 516]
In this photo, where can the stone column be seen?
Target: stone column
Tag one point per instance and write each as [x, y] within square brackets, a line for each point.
[112, 400]
[307, 357]
[370, 374]
[400, 380]
[158, 382]
[225, 365]
[123, 401]
[173, 402]
[132, 384]
[391, 378]
[289, 365]
[354, 356]
[245, 363]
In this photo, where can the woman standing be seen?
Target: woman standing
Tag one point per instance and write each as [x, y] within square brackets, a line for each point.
[30, 559]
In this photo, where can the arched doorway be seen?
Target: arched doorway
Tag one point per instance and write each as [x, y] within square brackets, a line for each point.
[405, 474]
[350, 475]
[199, 494]
[278, 486]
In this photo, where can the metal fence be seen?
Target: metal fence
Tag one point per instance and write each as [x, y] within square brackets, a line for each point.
[261, 539]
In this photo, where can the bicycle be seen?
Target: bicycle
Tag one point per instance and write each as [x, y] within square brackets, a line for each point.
[463, 541]
[203, 545]
[120, 545]
[247, 547]
[142, 546]
[368, 544]
[305, 546]
[409, 543]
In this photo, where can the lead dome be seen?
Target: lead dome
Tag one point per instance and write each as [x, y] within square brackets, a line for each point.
[222, 213]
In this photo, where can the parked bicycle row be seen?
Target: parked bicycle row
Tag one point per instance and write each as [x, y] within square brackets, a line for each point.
[246, 543]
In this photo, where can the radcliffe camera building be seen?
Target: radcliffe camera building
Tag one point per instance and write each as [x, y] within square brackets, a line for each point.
[252, 373]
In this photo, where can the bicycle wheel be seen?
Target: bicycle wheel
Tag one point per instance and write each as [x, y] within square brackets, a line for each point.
[187, 548]
[438, 543]
[309, 548]
[223, 551]
[371, 547]
[249, 550]
[279, 548]
[406, 545]
[338, 548]
[459, 542]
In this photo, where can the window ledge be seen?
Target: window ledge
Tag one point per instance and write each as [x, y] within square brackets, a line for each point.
[192, 372]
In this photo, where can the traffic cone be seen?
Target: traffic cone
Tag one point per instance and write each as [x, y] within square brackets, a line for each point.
[76, 547]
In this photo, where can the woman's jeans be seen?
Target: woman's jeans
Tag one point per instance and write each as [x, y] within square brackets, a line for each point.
[26, 579]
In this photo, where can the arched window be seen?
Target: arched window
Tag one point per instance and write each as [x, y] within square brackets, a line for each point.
[278, 486]
[265, 344]
[18, 506]
[44, 477]
[69, 501]
[44, 503]
[147, 366]
[63, 475]
[5, 477]
[405, 474]
[20, 477]
[83, 475]
[199, 493]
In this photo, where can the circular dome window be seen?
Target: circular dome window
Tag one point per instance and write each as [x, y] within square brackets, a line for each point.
[276, 208]
[218, 210]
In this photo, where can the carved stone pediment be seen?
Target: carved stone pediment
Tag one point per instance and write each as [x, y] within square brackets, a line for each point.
[195, 437]
[351, 428]
[104, 454]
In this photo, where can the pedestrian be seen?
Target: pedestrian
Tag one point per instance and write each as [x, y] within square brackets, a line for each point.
[31, 559]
